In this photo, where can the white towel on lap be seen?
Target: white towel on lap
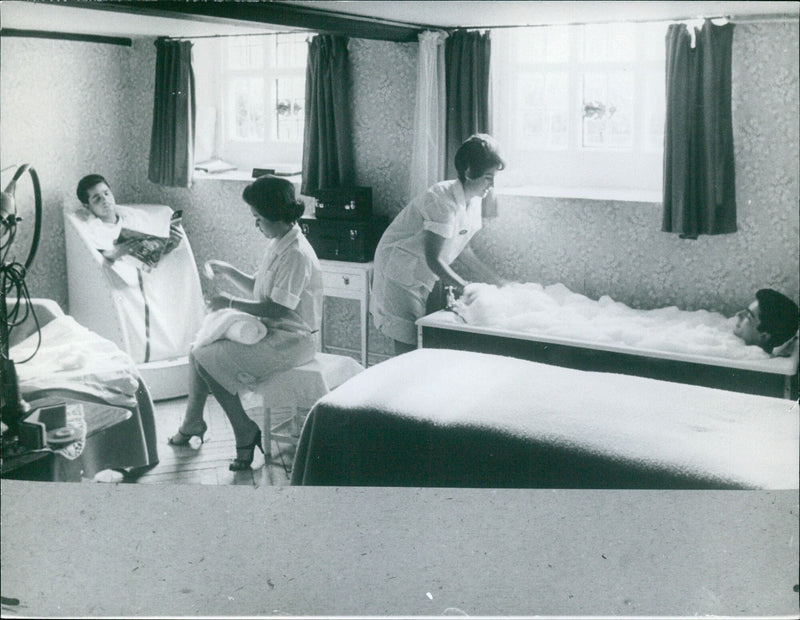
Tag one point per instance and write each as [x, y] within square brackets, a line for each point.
[231, 324]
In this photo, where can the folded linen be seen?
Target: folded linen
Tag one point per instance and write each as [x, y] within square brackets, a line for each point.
[232, 325]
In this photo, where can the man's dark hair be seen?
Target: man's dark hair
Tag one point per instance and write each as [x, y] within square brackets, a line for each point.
[87, 183]
[778, 317]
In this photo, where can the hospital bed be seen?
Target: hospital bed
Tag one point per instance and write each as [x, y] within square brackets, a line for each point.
[768, 376]
[445, 418]
[63, 361]
[153, 318]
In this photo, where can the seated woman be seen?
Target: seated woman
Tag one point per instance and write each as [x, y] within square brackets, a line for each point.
[157, 309]
[285, 293]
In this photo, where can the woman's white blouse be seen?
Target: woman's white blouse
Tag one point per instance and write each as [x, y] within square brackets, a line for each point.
[443, 210]
[290, 275]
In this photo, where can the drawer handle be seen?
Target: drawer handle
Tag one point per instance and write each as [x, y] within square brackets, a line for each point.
[346, 280]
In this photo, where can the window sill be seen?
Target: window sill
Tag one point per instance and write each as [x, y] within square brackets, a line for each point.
[242, 176]
[583, 193]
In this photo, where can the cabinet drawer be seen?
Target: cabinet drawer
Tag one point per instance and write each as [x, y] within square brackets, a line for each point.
[354, 281]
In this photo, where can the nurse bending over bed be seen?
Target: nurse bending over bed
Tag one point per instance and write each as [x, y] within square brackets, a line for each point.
[285, 294]
[417, 249]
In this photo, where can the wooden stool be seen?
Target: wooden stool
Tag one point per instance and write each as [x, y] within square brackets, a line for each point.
[299, 388]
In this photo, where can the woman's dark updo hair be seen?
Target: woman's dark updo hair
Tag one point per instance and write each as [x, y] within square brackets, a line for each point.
[477, 154]
[273, 198]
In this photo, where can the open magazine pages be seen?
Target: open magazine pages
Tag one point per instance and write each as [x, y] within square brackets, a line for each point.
[151, 242]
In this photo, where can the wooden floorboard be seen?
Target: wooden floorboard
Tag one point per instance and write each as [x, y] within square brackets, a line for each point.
[209, 464]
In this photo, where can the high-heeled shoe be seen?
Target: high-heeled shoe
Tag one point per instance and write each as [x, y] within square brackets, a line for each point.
[242, 464]
[182, 439]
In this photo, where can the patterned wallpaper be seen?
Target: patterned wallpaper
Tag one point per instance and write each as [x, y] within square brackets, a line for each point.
[89, 109]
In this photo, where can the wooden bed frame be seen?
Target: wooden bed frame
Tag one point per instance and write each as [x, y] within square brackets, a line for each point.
[772, 377]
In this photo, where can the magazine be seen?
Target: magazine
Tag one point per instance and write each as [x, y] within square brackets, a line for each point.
[149, 249]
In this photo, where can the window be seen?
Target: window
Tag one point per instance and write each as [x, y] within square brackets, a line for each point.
[580, 106]
[251, 96]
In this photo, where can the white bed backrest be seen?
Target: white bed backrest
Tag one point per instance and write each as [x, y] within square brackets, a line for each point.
[91, 297]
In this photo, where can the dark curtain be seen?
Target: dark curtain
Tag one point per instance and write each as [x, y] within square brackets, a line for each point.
[174, 113]
[327, 143]
[467, 59]
[699, 188]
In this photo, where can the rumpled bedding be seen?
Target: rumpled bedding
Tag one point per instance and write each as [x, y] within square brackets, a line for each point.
[74, 359]
[73, 362]
[559, 312]
[437, 417]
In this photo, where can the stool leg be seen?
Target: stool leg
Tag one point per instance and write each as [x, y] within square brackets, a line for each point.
[267, 431]
[296, 421]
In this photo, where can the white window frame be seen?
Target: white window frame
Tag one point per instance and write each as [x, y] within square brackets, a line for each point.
[247, 154]
[575, 167]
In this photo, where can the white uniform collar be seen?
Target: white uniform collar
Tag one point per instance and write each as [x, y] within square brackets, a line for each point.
[288, 239]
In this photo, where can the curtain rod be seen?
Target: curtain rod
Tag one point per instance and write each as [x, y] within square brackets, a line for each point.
[222, 36]
[741, 19]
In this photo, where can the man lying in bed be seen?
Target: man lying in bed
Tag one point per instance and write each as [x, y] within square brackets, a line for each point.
[95, 194]
[770, 322]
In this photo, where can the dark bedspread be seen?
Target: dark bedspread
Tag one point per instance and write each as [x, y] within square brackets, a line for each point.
[437, 417]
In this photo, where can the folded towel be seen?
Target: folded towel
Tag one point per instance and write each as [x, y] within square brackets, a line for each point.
[232, 325]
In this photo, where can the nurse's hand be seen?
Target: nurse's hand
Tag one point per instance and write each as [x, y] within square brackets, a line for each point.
[215, 268]
[218, 302]
[470, 293]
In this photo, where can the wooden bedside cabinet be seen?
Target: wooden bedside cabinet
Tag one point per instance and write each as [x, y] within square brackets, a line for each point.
[348, 280]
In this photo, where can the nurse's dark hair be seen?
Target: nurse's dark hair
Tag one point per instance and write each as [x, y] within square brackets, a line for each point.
[778, 317]
[273, 198]
[477, 154]
[87, 183]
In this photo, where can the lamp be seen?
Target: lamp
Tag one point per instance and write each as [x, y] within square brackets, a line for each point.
[8, 203]
[9, 217]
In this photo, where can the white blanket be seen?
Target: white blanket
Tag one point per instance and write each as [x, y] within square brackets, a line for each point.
[232, 325]
[71, 357]
[159, 311]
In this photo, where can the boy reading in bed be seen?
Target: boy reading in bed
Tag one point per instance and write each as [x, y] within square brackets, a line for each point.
[95, 195]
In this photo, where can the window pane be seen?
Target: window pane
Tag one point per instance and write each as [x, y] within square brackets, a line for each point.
[594, 43]
[609, 43]
[533, 129]
[247, 97]
[290, 95]
[655, 104]
[621, 43]
[557, 91]
[543, 101]
[291, 50]
[608, 109]
[529, 45]
[653, 37]
[246, 52]
[557, 43]
[532, 90]
[558, 134]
